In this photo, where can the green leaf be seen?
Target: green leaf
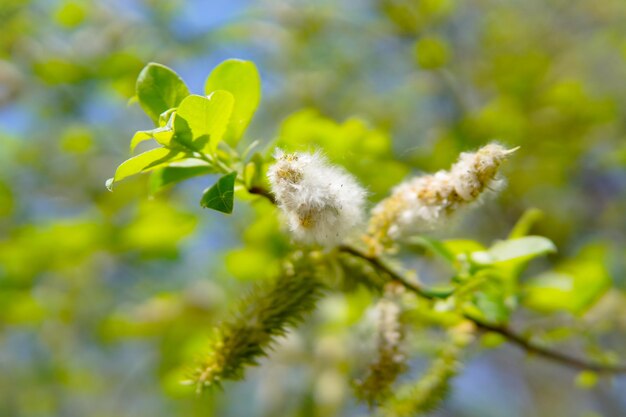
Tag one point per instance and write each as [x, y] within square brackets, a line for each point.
[521, 250]
[441, 291]
[433, 245]
[489, 301]
[491, 306]
[243, 263]
[220, 196]
[200, 121]
[586, 379]
[573, 286]
[177, 172]
[431, 52]
[492, 340]
[163, 135]
[523, 225]
[249, 174]
[159, 89]
[143, 162]
[242, 80]
[462, 246]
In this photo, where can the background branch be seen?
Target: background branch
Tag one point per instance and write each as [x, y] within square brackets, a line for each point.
[510, 335]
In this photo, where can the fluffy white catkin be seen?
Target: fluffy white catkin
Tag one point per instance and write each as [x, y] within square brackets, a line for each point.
[422, 202]
[389, 328]
[321, 203]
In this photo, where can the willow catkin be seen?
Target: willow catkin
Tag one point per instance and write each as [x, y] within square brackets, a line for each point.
[390, 360]
[421, 203]
[321, 203]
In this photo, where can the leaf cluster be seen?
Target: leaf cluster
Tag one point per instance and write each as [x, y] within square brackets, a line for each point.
[195, 133]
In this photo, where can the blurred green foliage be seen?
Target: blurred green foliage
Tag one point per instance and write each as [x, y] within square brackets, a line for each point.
[106, 298]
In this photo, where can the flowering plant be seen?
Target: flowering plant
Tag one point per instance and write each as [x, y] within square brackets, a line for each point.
[336, 246]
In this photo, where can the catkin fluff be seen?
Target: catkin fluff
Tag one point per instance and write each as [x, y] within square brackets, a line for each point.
[321, 203]
[389, 328]
[421, 203]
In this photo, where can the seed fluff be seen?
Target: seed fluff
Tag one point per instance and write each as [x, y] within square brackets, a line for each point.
[423, 202]
[321, 203]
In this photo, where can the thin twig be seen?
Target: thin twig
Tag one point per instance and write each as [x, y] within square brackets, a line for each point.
[252, 190]
[263, 193]
[511, 336]
[528, 346]
[504, 331]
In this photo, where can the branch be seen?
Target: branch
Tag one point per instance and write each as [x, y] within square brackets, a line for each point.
[378, 264]
[528, 346]
[263, 193]
[512, 337]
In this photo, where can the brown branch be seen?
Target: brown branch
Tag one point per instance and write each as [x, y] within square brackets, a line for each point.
[260, 191]
[564, 359]
[512, 337]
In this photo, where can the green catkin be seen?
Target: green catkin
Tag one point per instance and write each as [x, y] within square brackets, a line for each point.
[263, 315]
[427, 393]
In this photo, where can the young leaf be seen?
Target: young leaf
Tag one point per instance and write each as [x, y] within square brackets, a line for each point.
[200, 121]
[574, 286]
[434, 246]
[220, 196]
[489, 304]
[143, 162]
[177, 172]
[462, 246]
[140, 136]
[242, 80]
[163, 135]
[159, 89]
[523, 225]
[521, 250]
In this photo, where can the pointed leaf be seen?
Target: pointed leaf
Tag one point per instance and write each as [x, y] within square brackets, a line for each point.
[462, 246]
[177, 172]
[523, 225]
[242, 80]
[138, 137]
[200, 121]
[220, 196]
[573, 286]
[163, 135]
[521, 250]
[434, 246]
[143, 162]
[159, 89]
[489, 304]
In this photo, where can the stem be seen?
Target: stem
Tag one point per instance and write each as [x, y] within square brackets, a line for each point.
[512, 337]
[378, 264]
[225, 170]
[262, 192]
[528, 346]
[215, 162]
